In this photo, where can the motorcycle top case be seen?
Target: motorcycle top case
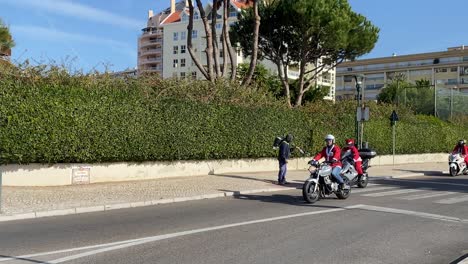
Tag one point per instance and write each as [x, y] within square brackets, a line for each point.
[367, 153]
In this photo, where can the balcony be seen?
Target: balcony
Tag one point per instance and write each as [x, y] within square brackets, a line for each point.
[151, 52]
[151, 31]
[152, 69]
[155, 42]
[151, 61]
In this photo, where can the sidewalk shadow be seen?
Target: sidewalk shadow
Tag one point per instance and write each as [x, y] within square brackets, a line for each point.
[23, 259]
[294, 183]
[296, 200]
[245, 178]
[426, 173]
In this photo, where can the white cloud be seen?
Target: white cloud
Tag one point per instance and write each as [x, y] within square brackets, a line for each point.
[73, 9]
[61, 36]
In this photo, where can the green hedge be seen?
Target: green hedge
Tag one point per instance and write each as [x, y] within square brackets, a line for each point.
[47, 116]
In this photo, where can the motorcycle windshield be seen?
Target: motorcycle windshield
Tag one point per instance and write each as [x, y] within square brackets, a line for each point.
[325, 170]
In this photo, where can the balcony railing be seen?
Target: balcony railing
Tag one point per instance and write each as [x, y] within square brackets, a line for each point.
[151, 60]
[152, 31]
[151, 43]
[151, 51]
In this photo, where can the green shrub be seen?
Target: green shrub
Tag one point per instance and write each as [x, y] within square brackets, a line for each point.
[49, 116]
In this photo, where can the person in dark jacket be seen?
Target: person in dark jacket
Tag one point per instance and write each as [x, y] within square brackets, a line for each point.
[283, 156]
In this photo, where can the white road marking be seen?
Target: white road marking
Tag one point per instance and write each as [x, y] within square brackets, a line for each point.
[453, 200]
[129, 243]
[430, 182]
[69, 250]
[135, 242]
[412, 213]
[372, 189]
[425, 195]
[401, 191]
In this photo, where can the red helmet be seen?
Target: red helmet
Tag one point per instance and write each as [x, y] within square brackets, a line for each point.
[350, 142]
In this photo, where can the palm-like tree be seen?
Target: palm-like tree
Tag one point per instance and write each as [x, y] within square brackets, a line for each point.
[6, 40]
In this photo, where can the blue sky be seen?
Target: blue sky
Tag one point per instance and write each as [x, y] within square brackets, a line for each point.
[94, 34]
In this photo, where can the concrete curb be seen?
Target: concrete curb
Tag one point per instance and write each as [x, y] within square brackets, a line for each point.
[102, 208]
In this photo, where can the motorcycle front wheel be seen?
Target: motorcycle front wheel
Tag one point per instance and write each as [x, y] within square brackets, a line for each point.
[453, 171]
[309, 193]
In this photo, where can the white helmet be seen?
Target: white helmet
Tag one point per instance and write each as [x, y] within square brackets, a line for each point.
[330, 137]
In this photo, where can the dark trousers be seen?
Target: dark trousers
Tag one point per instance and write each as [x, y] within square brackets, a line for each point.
[282, 171]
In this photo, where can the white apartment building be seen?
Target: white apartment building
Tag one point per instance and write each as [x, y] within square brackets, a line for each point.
[162, 47]
[444, 69]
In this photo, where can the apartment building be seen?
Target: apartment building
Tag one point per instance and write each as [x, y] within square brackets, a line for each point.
[162, 46]
[445, 69]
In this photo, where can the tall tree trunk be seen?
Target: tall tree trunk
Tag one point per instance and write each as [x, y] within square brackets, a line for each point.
[253, 59]
[190, 45]
[283, 75]
[225, 55]
[227, 39]
[214, 16]
[209, 41]
[301, 83]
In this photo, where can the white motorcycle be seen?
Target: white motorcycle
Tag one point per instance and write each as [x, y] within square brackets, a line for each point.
[349, 170]
[457, 165]
[321, 183]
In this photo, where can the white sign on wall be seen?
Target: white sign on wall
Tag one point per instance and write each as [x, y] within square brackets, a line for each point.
[81, 175]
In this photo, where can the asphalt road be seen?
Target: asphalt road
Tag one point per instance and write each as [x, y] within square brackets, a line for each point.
[418, 220]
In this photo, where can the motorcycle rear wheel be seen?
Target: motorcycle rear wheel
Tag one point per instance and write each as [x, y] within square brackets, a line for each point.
[344, 194]
[363, 183]
[308, 192]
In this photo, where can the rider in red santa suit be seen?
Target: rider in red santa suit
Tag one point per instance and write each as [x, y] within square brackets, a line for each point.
[357, 159]
[462, 149]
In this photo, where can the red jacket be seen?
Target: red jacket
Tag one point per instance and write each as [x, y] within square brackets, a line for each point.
[463, 150]
[355, 152]
[334, 153]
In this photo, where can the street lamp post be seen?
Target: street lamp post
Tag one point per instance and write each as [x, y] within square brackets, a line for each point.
[359, 79]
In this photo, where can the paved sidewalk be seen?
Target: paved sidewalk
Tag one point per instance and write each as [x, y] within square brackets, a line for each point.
[40, 201]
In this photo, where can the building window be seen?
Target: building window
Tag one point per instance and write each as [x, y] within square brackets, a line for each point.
[174, 65]
[221, 53]
[176, 36]
[232, 12]
[194, 75]
[174, 75]
[183, 35]
[194, 34]
[454, 69]
[182, 63]
[182, 75]
[218, 26]
[176, 49]
[452, 81]
[184, 18]
[183, 48]
[438, 70]
[195, 16]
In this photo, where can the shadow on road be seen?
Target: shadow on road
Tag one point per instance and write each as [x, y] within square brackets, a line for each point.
[23, 259]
